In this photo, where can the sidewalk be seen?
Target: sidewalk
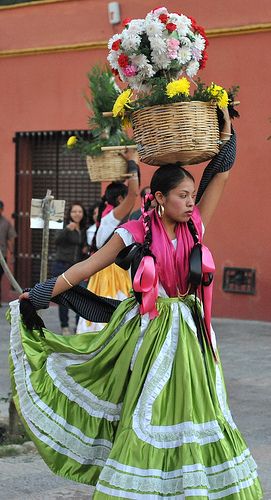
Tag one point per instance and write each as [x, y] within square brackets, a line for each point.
[246, 357]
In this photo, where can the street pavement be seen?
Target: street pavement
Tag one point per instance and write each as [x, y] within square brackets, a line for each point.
[246, 357]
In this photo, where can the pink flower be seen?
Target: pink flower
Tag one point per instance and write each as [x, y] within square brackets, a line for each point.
[172, 46]
[130, 70]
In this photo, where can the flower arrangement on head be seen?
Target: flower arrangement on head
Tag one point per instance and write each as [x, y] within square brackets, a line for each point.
[161, 44]
[157, 57]
[105, 131]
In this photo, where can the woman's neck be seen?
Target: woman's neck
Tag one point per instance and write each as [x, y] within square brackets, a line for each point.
[170, 227]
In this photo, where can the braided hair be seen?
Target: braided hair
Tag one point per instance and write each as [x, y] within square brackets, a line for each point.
[112, 192]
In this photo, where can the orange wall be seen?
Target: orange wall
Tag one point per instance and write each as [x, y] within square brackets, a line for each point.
[44, 92]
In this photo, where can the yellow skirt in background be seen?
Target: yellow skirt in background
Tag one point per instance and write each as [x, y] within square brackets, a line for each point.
[112, 282]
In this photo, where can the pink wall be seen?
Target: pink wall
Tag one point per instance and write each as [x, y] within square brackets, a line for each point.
[44, 92]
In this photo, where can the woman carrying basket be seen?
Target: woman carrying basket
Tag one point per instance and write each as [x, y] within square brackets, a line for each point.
[140, 409]
[114, 208]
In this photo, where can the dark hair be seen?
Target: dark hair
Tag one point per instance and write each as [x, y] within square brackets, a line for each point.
[91, 211]
[168, 177]
[112, 192]
[83, 222]
[144, 191]
[164, 179]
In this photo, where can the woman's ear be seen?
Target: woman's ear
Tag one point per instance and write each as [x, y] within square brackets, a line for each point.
[159, 197]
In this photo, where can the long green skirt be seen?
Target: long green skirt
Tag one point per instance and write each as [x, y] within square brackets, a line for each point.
[136, 410]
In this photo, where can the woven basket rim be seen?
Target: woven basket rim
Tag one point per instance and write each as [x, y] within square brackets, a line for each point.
[170, 104]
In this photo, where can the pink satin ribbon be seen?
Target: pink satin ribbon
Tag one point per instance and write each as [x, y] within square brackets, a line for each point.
[146, 282]
[208, 266]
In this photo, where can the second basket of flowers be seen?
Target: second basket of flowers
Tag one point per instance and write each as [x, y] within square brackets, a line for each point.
[174, 116]
[107, 136]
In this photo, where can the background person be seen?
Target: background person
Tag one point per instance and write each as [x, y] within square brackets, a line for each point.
[114, 209]
[71, 247]
[92, 219]
[7, 237]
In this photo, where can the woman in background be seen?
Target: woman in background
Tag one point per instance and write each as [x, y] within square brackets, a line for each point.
[71, 247]
[114, 209]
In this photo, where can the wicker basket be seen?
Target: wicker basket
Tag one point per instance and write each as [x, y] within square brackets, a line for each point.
[185, 131]
[109, 166]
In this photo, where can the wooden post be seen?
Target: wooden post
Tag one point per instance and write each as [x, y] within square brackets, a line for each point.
[46, 206]
[9, 274]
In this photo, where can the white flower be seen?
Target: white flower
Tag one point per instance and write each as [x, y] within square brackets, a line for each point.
[130, 43]
[161, 61]
[199, 42]
[157, 12]
[113, 58]
[135, 27]
[192, 69]
[158, 45]
[182, 22]
[185, 42]
[131, 35]
[139, 60]
[154, 28]
[146, 72]
[184, 55]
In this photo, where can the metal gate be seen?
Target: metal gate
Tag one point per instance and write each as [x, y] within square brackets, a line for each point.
[43, 162]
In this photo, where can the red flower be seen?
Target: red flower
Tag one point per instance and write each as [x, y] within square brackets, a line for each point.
[171, 27]
[123, 60]
[156, 8]
[203, 60]
[193, 22]
[126, 21]
[115, 71]
[163, 18]
[116, 44]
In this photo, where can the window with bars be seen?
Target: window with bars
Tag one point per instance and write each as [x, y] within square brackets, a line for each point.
[43, 162]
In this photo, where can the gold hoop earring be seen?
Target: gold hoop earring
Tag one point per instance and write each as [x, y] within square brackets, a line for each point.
[160, 211]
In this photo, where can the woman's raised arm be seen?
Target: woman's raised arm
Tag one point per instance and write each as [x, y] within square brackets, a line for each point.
[216, 174]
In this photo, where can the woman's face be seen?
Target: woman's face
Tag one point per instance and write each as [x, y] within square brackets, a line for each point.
[76, 213]
[179, 202]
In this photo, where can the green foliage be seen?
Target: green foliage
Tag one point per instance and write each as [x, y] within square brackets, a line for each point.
[106, 131]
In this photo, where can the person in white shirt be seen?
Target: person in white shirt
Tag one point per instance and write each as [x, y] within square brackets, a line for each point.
[115, 207]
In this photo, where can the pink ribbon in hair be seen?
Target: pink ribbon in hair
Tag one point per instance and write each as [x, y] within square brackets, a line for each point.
[208, 266]
[146, 282]
[107, 209]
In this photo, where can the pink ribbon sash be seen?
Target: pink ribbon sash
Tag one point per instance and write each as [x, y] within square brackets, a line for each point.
[208, 266]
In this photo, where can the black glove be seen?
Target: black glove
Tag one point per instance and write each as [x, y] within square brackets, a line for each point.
[30, 316]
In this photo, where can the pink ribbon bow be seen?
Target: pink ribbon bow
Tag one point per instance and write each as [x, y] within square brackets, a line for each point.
[146, 282]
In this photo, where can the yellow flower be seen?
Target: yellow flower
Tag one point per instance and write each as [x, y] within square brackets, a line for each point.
[219, 94]
[122, 102]
[181, 86]
[71, 141]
